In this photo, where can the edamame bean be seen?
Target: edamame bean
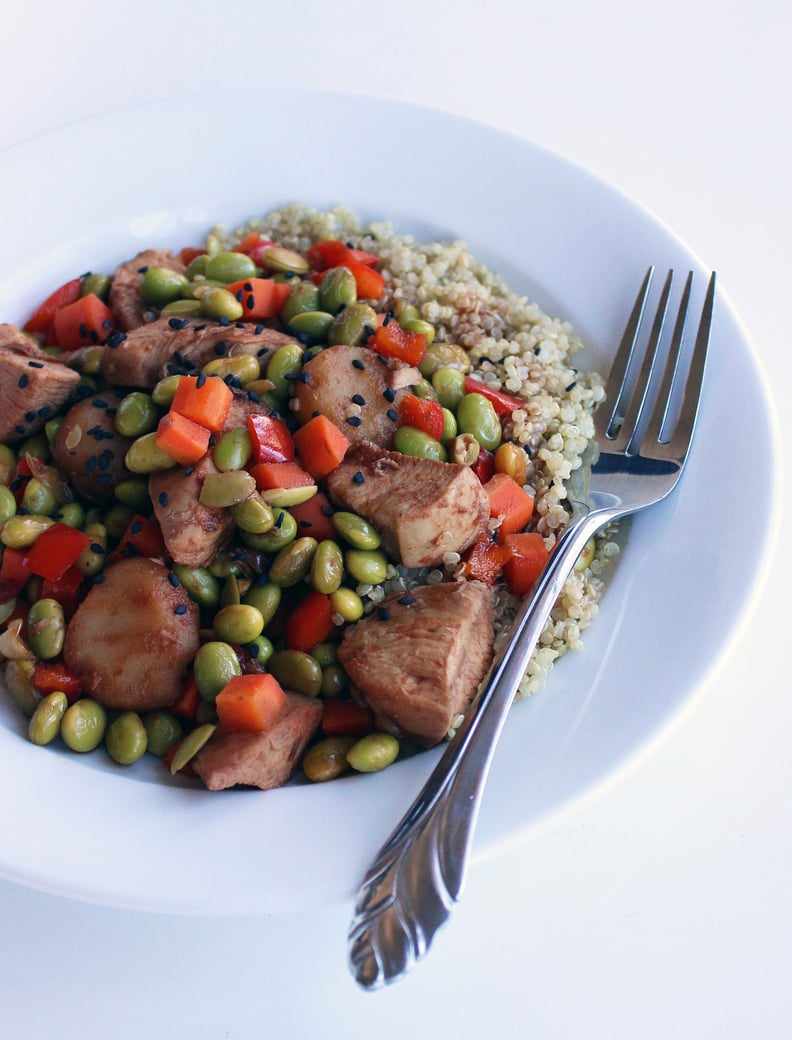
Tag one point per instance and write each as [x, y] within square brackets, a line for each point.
[276, 259]
[19, 683]
[260, 649]
[96, 284]
[282, 532]
[160, 285]
[217, 303]
[265, 598]
[425, 390]
[347, 604]
[136, 414]
[368, 566]
[449, 426]
[165, 390]
[7, 464]
[190, 746]
[283, 367]
[586, 558]
[229, 267]
[253, 515]
[134, 493]
[46, 628]
[409, 440]
[220, 490]
[244, 367]
[359, 533]
[404, 311]
[419, 326]
[373, 752]
[181, 309]
[293, 562]
[51, 429]
[70, 513]
[197, 266]
[296, 671]
[230, 595]
[327, 567]
[45, 721]
[444, 355]
[163, 730]
[338, 289]
[37, 446]
[353, 325]
[126, 738]
[464, 449]
[239, 623]
[145, 455]
[233, 450]
[20, 532]
[83, 725]
[311, 326]
[7, 609]
[117, 519]
[476, 415]
[449, 385]
[92, 559]
[326, 760]
[215, 664]
[38, 498]
[8, 506]
[325, 653]
[224, 564]
[334, 680]
[285, 497]
[304, 296]
[200, 585]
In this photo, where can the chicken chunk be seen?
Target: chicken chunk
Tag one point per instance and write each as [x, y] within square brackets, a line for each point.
[193, 533]
[124, 298]
[417, 662]
[33, 385]
[263, 760]
[142, 356]
[338, 379]
[132, 637]
[88, 449]
[422, 508]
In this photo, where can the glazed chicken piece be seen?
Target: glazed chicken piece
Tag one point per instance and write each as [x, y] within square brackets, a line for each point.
[142, 356]
[417, 661]
[263, 760]
[89, 451]
[422, 508]
[194, 533]
[124, 299]
[339, 378]
[132, 637]
[33, 385]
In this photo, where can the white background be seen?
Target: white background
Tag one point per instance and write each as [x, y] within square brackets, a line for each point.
[662, 909]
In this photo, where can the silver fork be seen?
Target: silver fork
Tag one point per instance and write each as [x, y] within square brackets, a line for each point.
[417, 877]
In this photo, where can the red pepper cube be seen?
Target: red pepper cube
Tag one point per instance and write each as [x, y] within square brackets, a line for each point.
[55, 550]
[422, 414]
[392, 340]
[271, 439]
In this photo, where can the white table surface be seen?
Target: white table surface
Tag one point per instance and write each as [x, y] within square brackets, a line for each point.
[662, 908]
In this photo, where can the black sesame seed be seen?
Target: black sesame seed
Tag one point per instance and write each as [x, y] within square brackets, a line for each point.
[262, 352]
[174, 579]
[571, 386]
[200, 328]
[93, 335]
[199, 382]
[82, 330]
[303, 378]
[98, 579]
[388, 318]
[357, 363]
[407, 600]
[175, 323]
[23, 381]
[91, 464]
[239, 295]
[142, 270]
[358, 478]
[105, 478]
[45, 412]
[279, 520]
[136, 527]
[35, 364]
[222, 320]
[19, 429]
[99, 402]
[220, 348]
[389, 395]
[254, 649]
[327, 510]
[383, 613]
[358, 399]
[258, 330]
[30, 416]
[392, 414]
[189, 470]
[107, 324]
[181, 609]
[163, 498]
[250, 303]
[97, 547]
[306, 523]
[254, 397]
[354, 420]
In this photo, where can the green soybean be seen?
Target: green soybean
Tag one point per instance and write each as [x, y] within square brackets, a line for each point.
[293, 562]
[327, 567]
[136, 414]
[265, 598]
[311, 326]
[117, 519]
[238, 623]
[46, 628]
[200, 585]
[19, 683]
[160, 285]
[409, 440]
[476, 415]
[368, 566]
[283, 367]
[373, 752]
[165, 390]
[96, 284]
[217, 303]
[355, 530]
[37, 498]
[334, 679]
[126, 738]
[282, 532]
[92, 559]
[70, 513]
[338, 289]
[83, 725]
[45, 721]
[134, 493]
[260, 649]
[229, 267]
[145, 456]
[20, 532]
[353, 325]
[253, 515]
[215, 664]
[7, 465]
[220, 490]
[8, 506]
[163, 730]
[276, 258]
[296, 671]
[232, 450]
[449, 385]
[347, 604]
[304, 296]
[326, 760]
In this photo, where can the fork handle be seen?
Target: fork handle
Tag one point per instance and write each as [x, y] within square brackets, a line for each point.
[417, 877]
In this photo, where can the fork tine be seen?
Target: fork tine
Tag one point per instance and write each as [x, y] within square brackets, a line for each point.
[662, 405]
[679, 442]
[607, 413]
[632, 415]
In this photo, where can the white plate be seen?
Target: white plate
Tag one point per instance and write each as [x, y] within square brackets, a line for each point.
[92, 193]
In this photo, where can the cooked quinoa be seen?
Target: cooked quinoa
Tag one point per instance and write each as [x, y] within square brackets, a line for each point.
[512, 346]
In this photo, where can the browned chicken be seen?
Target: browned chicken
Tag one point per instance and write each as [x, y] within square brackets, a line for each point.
[422, 508]
[263, 760]
[124, 299]
[88, 449]
[142, 356]
[417, 661]
[357, 389]
[33, 385]
[193, 533]
[133, 636]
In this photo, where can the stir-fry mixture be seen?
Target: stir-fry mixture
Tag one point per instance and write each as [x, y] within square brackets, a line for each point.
[267, 504]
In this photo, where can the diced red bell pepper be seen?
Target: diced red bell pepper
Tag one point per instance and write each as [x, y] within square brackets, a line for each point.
[392, 340]
[142, 537]
[503, 403]
[66, 589]
[271, 439]
[55, 550]
[484, 466]
[527, 559]
[189, 253]
[49, 676]
[346, 718]
[313, 517]
[41, 319]
[186, 704]
[309, 623]
[423, 414]
[485, 559]
[337, 254]
[19, 481]
[15, 568]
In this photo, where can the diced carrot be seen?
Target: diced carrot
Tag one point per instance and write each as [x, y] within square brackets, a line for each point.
[270, 475]
[187, 703]
[503, 403]
[313, 517]
[485, 559]
[527, 559]
[271, 439]
[260, 297]
[334, 253]
[392, 340]
[41, 319]
[84, 323]
[510, 502]
[49, 676]
[55, 550]
[346, 718]
[184, 440]
[309, 623]
[250, 703]
[423, 414]
[204, 400]
[251, 242]
[320, 445]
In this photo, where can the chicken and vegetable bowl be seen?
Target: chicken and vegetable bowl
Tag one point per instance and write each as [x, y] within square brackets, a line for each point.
[267, 504]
